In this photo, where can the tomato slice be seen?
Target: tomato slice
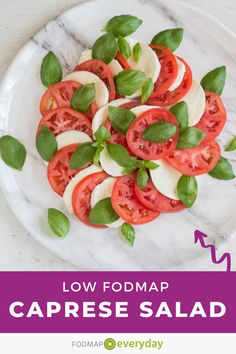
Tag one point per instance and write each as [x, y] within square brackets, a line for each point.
[59, 172]
[146, 149]
[169, 69]
[152, 199]
[81, 196]
[195, 161]
[214, 117]
[102, 70]
[59, 95]
[169, 98]
[59, 120]
[123, 62]
[126, 204]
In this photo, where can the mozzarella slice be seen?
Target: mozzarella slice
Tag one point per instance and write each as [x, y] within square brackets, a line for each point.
[85, 77]
[102, 191]
[67, 196]
[165, 179]
[109, 165]
[71, 137]
[141, 109]
[180, 76]
[114, 65]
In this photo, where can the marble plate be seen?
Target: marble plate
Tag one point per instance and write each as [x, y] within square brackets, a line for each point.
[166, 243]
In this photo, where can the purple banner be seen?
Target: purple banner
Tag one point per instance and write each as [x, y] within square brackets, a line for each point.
[117, 302]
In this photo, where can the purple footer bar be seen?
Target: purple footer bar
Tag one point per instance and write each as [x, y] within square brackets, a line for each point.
[117, 302]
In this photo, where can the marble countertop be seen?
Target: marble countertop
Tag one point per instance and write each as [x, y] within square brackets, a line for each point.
[19, 251]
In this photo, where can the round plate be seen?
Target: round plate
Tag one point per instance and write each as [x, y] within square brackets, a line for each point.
[167, 242]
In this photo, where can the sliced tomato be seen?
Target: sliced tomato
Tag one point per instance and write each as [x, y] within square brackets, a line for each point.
[102, 70]
[59, 120]
[81, 196]
[126, 204]
[123, 62]
[214, 117]
[59, 95]
[146, 149]
[59, 172]
[195, 161]
[169, 98]
[169, 69]
[152, 199]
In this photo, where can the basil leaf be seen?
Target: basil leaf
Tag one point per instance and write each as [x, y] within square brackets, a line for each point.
[83, 97]
[215, 80]
[128, 233]
[51, 71]
[137, 52]
[82, 156]
[232, 145]
[102, 134]
[170, 38]
[46, 143]
[129, 81]
[120, 155]
[105, 48]
[103, 213]
[142, 178]
[12, 152]
[58, 222]
[147, 90]
[187, 190]
[223, 170]
[180, 111]
[127, 170]
[120, 118]
[96, 156]
[159, 131]
[150, 165]
[190, 137]
[123, 25]
[124, 47]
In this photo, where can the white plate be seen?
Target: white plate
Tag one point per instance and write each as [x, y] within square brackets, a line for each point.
[167, 242]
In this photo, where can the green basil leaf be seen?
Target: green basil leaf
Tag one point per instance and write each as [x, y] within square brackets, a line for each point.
[150, 165]
[58, 222]
[105, 48]
[102, 134]
[159, 131]
[127, 170]
[137, 52]
[147, 90]
[120, 155]
[170, 38]
[96, 156]
[231, 145]
[142, 178]
[180, 111]
[215, 80]
[128, 233]
[103, 213]
[124, 47]
[120, 118]
[123, 25]
[46, 143]
[187, 190]
[83, 97]
[12, 152]
[223, 170]
[82, 156]
[190, 137]
[129, 81]
[51, 71]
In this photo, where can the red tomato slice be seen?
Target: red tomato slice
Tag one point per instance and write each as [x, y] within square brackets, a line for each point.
[123, 62]
[99, 68]
[126, 204]
[59, 95]
[169, 98]
[145, 149]
[81, 196]
[195, 161]
[59, 120]
[169, 69]
[152, 199]
[59, 172]
[214, 117]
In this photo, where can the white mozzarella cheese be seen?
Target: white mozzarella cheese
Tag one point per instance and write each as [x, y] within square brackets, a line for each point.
[141, 109]
[85, 77]
[71, 137]
[114, 65]
[102, 191]
[109, 165]
[67, 196]
[179, 78]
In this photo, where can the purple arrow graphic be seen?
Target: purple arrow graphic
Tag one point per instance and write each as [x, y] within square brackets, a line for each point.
[199, 236]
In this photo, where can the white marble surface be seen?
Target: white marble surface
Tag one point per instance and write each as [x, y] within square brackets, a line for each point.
[19, 250]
